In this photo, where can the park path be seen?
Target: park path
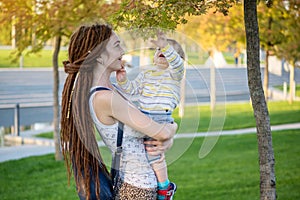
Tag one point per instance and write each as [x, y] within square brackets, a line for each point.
[38, 146]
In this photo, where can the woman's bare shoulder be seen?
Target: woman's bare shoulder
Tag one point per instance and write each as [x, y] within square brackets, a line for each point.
[103, 107]
[103, 97]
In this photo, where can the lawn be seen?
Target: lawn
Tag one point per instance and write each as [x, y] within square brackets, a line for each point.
[230, 171]
[41, 59]
[288, 89]
[234, 116]
[44, 58]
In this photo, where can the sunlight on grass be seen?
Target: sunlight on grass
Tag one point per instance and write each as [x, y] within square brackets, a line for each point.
[41, 59]
[48, 135]
[288, 89]
[237, 116]
[230, 171]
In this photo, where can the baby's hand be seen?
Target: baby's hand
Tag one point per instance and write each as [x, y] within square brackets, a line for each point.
[161, 41]
[121, 74]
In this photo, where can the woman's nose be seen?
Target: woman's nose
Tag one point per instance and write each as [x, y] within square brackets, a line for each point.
[122, 51]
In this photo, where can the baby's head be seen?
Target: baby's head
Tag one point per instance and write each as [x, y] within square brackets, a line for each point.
[160, 60]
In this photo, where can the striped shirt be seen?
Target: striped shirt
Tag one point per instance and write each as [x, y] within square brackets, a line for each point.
[158, 89]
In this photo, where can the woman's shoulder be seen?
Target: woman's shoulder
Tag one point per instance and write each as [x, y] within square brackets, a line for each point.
[100, 93]
[103, 95]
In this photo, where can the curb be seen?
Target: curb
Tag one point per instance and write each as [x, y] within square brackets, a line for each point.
[29, 140]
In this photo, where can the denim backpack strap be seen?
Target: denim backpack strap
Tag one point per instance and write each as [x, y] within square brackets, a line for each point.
[117, 158]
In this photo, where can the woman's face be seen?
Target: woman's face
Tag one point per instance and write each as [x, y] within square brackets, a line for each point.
[112, 57]
[159, 60]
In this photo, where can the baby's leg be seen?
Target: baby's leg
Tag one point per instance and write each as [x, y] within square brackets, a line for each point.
[160, 169]
[166, 189]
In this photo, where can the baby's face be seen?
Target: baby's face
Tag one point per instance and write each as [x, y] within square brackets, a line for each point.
[159, 60]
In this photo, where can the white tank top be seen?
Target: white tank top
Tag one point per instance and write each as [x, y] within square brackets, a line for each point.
[134, 166]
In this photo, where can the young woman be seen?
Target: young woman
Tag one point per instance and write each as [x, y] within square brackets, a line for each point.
[94, 53]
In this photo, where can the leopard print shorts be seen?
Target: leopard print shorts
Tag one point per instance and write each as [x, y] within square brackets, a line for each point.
[125, 191]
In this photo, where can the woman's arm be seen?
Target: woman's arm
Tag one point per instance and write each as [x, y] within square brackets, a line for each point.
[110, 105]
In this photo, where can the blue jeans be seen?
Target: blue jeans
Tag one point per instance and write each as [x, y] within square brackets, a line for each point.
[106, 189]
[163, 117]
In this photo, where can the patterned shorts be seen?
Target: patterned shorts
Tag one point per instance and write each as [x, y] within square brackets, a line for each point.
[125, 191]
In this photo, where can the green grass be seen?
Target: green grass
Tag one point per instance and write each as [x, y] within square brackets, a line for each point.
[41, 59]
[35, 178]
[230, 171]
[197, 58]
[288, 89]
[44, 58]
[46, 135]
[236, 116]
[228, 56]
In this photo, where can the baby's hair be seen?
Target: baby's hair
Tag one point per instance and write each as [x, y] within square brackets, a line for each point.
[177, 47]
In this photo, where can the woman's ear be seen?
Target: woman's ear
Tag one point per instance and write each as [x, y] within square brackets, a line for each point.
[100, 60]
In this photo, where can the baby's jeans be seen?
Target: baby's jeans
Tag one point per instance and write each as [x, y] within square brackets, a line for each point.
[159, 117]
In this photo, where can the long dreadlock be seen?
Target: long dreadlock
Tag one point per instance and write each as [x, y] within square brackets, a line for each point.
[79, 145]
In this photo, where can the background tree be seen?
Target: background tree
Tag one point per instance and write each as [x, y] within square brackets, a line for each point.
[168, 14]
[165, 14]
[5, 30]
[216, 31]
[279, 29]
[289, 48]
[271, 33]
[38, 21]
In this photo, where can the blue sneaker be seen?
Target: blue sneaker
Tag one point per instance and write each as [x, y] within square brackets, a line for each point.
[169, 193]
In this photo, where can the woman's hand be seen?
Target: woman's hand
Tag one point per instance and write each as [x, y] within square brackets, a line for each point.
[155, 148]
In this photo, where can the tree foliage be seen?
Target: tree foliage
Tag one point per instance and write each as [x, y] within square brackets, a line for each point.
[280, 28]
[19, 14]
[215, 30]
[289, 48]
[38, 21]
[167, 14]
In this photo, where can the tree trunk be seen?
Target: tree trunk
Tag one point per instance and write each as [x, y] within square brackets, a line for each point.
[292, 84]
[266, 72]
[56, 133]
[264, 137]
[266, 75]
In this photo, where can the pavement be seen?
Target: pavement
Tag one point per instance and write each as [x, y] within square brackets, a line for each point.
[27, 144]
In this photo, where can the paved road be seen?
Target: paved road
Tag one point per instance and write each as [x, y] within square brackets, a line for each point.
[32, 89]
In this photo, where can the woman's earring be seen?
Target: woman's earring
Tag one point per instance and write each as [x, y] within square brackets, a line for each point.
[100, 60]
